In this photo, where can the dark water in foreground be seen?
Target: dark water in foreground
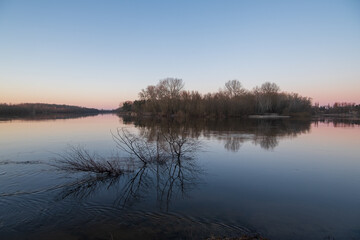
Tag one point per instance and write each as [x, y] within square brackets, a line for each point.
[282, 179]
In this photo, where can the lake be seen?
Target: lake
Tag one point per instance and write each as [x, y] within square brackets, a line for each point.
[278, 178]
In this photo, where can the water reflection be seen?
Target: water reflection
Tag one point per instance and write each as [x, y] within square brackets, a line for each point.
[159, 162]
[299, 192]
[161, 158]
[336, 122]
[232, 132]
[86, 186]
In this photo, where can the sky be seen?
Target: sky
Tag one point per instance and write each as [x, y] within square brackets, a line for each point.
[101, 53]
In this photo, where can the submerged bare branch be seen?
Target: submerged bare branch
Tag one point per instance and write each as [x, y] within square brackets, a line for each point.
[78, 159]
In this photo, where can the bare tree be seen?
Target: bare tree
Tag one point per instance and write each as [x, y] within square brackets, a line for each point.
[267, 96]
[269, 88]
[170, 87]
[234, 88]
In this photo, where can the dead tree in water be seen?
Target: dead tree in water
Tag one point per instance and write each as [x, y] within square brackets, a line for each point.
[78, 159]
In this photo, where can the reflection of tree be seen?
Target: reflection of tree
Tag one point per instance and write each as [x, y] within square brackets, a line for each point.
[84, 187]
[233, 142]
[339, 122]
[134, 188]
[233, 132]
[266, 142]
[164, 164]
[175, 176]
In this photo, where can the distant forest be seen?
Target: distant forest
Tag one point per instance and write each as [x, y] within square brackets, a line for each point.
[35, 109]
[168, 98]
[342, 108]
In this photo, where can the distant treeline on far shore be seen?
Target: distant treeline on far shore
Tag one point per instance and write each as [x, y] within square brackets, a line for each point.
[168, 98]
[36, 109]
[343, 108]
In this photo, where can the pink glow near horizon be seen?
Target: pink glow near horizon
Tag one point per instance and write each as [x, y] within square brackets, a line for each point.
[112, 102]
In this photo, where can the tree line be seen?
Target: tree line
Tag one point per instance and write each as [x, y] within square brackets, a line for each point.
[168, 98]
[32, 109]
[338, 108]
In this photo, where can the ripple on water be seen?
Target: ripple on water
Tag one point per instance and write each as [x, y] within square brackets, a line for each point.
[170, 221]
[40, 219]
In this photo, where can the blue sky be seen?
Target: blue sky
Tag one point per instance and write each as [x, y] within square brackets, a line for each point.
[100, 53]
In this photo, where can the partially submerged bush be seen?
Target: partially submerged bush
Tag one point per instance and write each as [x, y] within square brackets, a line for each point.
[166, 148]
[78, 159]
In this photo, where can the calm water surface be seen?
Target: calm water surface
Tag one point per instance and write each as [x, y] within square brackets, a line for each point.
[282, 179]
